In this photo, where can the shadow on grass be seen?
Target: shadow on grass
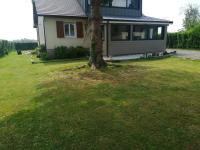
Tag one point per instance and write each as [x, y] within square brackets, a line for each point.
[73, 114]
[85, 60]
[59, 61]
[143, 59]
[3, 56]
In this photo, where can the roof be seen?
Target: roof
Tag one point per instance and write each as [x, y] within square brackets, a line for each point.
[59, 8]
[72, 8]
[141, 19]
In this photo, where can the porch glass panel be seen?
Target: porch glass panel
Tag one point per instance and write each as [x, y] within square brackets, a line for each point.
[120, 32]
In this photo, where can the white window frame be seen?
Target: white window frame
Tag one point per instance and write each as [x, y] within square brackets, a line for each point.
[75, 32]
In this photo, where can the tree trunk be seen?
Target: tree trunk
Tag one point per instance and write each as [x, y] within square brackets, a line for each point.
[96, 51]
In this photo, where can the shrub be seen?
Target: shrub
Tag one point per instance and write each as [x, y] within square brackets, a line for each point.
[82, 52]
[5, 47]
[19, 52]
[25, 46]
[188, 39]
[42, 49]
[63, 52]
[41, 52]
[44, 56]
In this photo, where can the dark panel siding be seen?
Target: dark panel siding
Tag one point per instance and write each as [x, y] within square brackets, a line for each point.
[136, 47]
[114, 11]
[106, 11]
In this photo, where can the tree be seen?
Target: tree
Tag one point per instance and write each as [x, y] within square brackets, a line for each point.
[96, 52]
[192, 17]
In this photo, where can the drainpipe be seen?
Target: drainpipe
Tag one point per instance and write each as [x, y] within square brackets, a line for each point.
[44, 33]
[107, 38]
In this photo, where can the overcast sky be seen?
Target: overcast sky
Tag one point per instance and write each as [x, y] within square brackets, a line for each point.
[16, 21]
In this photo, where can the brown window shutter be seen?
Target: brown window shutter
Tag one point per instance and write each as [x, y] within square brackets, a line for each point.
[60, 29]
[79, 26]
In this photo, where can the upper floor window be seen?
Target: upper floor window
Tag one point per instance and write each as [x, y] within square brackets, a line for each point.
[121, 3]
[133, 4]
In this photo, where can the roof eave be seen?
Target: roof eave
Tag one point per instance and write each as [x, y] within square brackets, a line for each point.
[35, 15]
[62, 16]
[139, 22]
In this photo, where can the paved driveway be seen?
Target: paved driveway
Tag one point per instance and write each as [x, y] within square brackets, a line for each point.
[195, 55]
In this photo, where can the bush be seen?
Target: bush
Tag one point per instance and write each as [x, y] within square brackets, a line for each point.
[44, 56]
[41, 52]
[5, 47]
[19, 52]
[63, 52]
[25, 46]
[186, 40]
[41, 49]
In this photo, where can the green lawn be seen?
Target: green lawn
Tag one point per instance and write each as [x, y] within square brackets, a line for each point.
[152, 104]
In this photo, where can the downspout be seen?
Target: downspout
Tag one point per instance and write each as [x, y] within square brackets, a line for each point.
[44, 33]
[38, 35]
[107, 38]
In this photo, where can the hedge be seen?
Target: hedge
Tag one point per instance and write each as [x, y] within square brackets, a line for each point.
[62, 52]
[185, 40]
[5, 47]
[25, 46]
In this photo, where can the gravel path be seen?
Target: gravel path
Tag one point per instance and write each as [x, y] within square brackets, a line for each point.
[192, 54]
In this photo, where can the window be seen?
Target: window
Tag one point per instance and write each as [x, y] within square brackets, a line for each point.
[133, 4]
[151, 33]
[156, 33]
[160, 33]
[140, 33]
[120, 32]
[69, 29]
[120, 3]
[104, 3]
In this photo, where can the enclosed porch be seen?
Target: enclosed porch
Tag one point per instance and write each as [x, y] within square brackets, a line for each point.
[133, 37]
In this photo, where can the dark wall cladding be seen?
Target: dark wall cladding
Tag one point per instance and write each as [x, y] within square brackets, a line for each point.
[118, 11]
[106, 11]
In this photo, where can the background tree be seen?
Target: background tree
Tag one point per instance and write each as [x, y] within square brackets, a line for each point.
[96, 52]
[192, 17]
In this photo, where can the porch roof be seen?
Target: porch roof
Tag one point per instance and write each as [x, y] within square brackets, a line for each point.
[143, 19]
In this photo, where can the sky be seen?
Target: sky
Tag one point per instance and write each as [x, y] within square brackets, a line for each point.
[16, 21]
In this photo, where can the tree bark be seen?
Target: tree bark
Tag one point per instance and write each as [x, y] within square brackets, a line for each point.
[96, 51]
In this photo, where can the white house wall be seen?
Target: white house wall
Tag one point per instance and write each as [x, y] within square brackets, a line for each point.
[40, 30]
[53, 41]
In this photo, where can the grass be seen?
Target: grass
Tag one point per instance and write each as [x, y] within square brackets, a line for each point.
[151, 104]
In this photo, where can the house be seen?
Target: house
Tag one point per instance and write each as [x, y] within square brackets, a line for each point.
[125, 30]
